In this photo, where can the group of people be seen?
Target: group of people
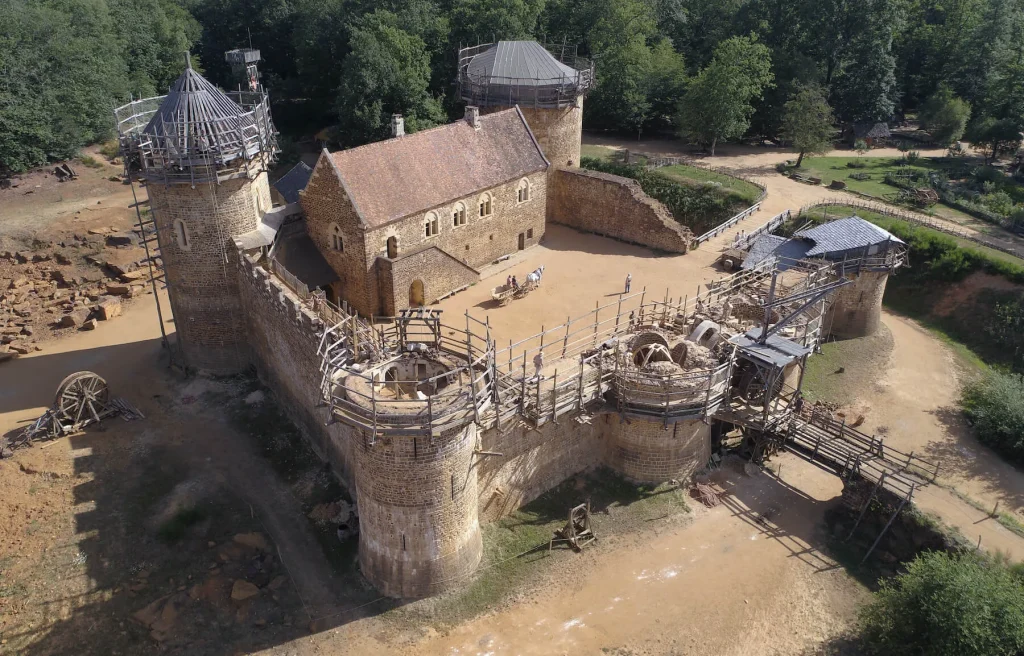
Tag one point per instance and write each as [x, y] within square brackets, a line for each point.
[512, 282]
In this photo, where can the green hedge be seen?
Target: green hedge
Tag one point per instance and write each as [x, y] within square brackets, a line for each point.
[698, 207]
[995, 406]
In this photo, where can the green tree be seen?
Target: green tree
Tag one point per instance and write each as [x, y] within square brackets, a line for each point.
[945, 605]
[865, 90]
[808, 122]
[387, 72]
[994, 136]
[60, 78]
[719, 101]
[945, 116]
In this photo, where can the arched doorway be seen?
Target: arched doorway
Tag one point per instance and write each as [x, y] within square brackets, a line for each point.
[416, 293]
[392, 247]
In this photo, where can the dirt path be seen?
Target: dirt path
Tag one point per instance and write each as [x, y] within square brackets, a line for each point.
[784, 193]
[914, 404]
[724, 584]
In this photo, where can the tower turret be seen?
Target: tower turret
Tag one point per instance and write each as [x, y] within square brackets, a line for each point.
[548, 88]
[204, 154]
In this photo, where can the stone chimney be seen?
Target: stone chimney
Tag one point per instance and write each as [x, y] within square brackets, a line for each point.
[397, 125]
[473, 116]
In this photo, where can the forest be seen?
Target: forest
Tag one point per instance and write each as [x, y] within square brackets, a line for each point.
[708, 70]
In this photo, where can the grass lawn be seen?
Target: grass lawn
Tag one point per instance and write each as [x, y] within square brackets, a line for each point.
[836, 168]
[847, 368]
[695, 175]
[516, 547]
[887, 222]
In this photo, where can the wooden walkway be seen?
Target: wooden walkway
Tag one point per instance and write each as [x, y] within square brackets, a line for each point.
[848, 451]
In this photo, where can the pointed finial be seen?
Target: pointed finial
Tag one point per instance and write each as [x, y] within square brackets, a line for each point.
[188, 60]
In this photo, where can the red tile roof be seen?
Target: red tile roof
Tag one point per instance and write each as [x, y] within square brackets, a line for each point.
[392, 179]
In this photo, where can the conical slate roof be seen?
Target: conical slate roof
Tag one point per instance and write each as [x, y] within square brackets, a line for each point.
[526, 62]
[197, 121]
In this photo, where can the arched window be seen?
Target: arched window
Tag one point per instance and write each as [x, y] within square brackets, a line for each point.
[337, 242]
[181, 235]
[523, 191]
[430, 227]
[485, 205]
[458, 215]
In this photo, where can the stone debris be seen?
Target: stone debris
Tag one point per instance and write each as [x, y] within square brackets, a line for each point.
[252, 540]
[243, 590]
[109, 308]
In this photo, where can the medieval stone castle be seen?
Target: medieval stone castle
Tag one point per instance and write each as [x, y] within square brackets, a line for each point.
[432, 427]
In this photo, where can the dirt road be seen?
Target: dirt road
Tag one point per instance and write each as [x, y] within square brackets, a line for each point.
[784, 193]
[914, 404]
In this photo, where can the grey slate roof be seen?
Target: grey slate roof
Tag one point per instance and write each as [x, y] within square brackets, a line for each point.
[774, 246]
[297, 253]
[196, 119]
[878, 130]
[850, 234]
[269, 226]
[776, 351]
[294, 181]
[524, 62]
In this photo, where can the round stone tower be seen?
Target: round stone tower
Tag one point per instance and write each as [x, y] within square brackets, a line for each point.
[548, 87]
[856, 310]
[204, 154]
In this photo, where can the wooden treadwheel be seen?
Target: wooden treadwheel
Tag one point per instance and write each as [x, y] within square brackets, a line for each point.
[82, 396]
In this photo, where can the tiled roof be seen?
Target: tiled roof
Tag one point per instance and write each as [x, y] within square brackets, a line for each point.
[849, 234]
[777, 351]
[294, 181]
[392, 179]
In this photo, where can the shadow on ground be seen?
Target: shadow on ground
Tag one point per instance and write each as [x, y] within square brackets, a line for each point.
[181, 537]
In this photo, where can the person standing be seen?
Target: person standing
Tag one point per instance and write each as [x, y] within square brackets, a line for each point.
[508, 282]
[629, 281]
[538, 363]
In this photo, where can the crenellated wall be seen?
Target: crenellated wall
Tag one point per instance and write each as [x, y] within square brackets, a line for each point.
[616, 207]
[422, 499]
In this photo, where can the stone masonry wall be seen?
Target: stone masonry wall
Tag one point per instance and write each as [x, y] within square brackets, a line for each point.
[559, 132]
[533, 461]
[615, 207]
[857, 308]
[439, 272]
[202, 269]
[419, 531]
[284, 336]
[326, 205]
[649, 452]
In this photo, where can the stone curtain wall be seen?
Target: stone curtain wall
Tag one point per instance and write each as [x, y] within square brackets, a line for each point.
[650, 452]
[202, 277]
[857, 309]
[284, 336]
[439, 272]
[534, 461]
[615, 207]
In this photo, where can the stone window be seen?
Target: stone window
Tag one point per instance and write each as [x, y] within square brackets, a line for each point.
[430, 227]
[523, 191]
[458, 215]
[337, 243]
[181, 235]
[485, 205]
[529, 233]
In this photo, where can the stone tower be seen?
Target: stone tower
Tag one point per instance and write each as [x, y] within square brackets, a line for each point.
[204, 154]
[549, 90]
